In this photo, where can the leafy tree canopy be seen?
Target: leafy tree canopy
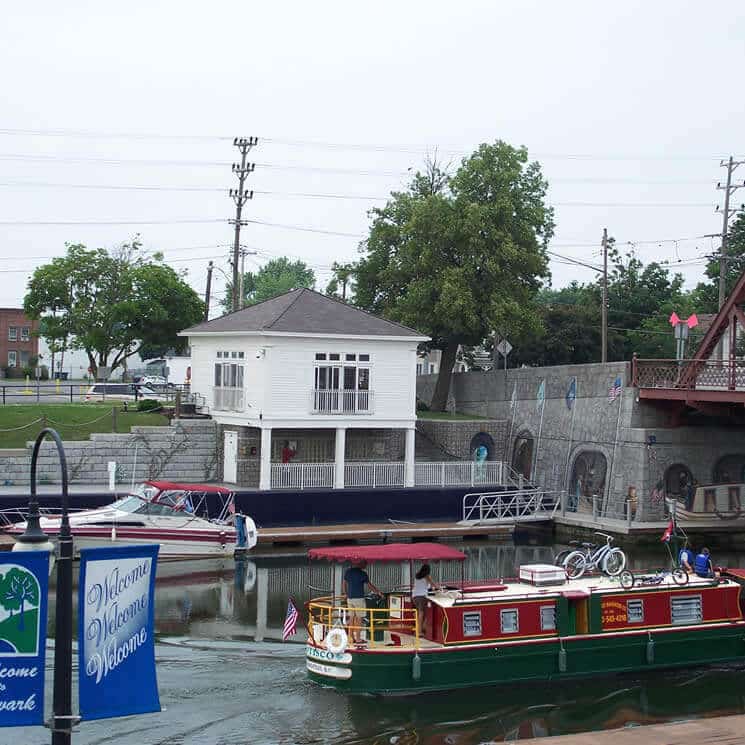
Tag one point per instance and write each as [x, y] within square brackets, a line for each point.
[458, 257]
[276, 277]
[110, 304]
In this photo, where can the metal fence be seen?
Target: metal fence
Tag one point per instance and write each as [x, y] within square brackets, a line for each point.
[509, 506]
[341, 402]
[460, 473]
[303, 475]
[708, 374]
[374, 474]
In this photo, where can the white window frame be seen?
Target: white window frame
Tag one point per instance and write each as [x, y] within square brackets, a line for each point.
[12, 358]
[684, 603]
[548, 618]
[12, 333]
[637, 616]
[25, 333]
[473, 617]
[503, 614]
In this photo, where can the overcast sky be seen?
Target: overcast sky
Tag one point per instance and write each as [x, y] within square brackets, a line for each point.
[628, 107]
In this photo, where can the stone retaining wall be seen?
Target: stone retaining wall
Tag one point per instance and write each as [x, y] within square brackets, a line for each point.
[184, 451]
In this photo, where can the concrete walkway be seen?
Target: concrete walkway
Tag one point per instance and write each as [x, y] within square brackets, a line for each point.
[720, 730]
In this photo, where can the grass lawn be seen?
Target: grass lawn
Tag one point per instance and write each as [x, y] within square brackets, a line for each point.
[446, 415]
[72, 421]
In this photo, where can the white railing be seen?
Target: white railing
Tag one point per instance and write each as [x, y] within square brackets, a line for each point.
[508, 506]
[460, 473]
[228, 399]
[341, 402]
[374, 474]
[303, 475]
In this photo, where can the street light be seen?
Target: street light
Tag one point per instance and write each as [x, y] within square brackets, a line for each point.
[34, 538]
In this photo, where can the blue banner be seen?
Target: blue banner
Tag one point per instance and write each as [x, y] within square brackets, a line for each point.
[24, 585]
[116, 644]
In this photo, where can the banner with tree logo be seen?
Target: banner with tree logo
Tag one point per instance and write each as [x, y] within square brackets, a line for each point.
[116, 647]
[24, 583]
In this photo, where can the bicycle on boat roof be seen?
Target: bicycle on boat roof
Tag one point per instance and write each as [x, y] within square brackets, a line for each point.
[606, 558]
[628, 579]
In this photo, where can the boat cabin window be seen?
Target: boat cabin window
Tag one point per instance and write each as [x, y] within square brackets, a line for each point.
[472, 624]
[508, 618]
[686, 609]
[635, 611]
[548, 618]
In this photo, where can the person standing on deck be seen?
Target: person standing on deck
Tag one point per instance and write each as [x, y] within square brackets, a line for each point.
[355, 579]
[422, 584]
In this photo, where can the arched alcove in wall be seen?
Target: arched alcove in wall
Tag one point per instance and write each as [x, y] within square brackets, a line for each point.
[522, 454]
[587, 479]
[479, 440]
[730, 469]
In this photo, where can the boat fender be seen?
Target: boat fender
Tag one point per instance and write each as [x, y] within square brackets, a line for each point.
[562, 659]
[416, 667]
[336, 640]
[650, 650]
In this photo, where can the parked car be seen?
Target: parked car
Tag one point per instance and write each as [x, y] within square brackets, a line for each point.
[121, 392]
[153, 381]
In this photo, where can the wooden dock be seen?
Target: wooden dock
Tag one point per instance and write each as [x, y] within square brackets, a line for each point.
[377, 532]
[721, 730]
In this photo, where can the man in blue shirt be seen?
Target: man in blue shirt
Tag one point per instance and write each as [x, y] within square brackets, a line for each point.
[686, 558]
[355, 579]
[703, 565]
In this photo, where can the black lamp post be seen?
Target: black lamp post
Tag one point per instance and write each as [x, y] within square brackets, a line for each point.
[35, 538]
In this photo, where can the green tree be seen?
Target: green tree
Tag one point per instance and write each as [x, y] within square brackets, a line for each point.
[17, 588]
[111, 304]
[341, 284]
[460, 257]
[276, 277]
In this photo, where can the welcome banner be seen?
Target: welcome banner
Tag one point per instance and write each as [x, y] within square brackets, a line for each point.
[116, 645]
[24, 583]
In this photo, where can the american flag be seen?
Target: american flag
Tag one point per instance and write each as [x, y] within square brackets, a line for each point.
[290, 620]
[231, 506]
[615, 390]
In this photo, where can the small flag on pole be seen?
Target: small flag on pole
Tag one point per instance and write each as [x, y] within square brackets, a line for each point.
[668, 532]
[615, 390]
[290, 620]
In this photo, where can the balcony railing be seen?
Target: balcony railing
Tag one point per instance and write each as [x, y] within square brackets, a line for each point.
[712, 375]
[341, 402]
[371, 475]
[228, 399]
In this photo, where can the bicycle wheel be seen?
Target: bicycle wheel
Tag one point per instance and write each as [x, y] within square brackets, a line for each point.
[680, 576]
[561, 557]
[627, 579]
[614, 562]
[575, 565]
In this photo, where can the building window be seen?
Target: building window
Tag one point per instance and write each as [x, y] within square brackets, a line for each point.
[12, 333]
[686, 609]
[341, 382]
[12, 358]
[228, 389]
[508, 621]
[418, 368]
[548, 618]
[472, 624]
[25, 333]
[431, 368]
[635, 611]
[25, 356]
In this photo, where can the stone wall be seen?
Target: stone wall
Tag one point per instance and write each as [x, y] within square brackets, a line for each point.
[455, 437]
[184, 451]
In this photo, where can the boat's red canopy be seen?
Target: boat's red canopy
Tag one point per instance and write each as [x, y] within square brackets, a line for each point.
[206, 488]
[388, 552]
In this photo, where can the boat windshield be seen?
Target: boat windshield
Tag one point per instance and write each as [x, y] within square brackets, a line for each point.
[129, 504]
[137, 505]
[145, 491]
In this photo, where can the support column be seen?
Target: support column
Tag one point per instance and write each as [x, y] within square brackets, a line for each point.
[262, 600]
[265, 467]
[409, 472]
[341, 439]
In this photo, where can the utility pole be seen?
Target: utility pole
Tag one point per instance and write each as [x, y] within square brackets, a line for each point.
[729, 189]
[207, 292]
[244, 252]
[240, 196]
[604, 308]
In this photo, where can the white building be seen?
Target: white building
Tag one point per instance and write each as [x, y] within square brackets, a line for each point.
[305, 387]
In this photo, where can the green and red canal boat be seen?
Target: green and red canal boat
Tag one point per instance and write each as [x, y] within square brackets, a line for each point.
[539, 627]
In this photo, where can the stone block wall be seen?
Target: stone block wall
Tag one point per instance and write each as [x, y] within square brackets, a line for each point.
[454, 437]
[184, 451]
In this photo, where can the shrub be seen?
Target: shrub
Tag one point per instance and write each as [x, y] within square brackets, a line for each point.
[148, 404]
[421, 406]
[44, 372]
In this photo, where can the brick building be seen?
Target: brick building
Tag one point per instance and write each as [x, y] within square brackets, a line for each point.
[18, 341]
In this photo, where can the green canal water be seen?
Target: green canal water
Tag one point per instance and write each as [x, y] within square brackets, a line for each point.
[225, 678]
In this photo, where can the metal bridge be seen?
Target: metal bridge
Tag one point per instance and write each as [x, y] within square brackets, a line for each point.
[520, 505]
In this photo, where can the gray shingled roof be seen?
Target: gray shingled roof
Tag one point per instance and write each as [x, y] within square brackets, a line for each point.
[304, 311]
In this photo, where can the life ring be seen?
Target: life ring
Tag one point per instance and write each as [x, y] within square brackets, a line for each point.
[336, 640]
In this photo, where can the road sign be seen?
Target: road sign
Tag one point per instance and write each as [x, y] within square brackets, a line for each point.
[504, 347]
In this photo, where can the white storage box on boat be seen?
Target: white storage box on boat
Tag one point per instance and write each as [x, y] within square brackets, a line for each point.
[543, 574]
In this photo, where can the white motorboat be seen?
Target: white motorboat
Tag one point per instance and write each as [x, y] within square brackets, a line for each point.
[179, 517]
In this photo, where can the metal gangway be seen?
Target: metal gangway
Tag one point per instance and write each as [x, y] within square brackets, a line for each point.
[519, 505]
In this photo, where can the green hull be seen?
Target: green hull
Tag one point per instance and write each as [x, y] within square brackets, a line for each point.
[395, 672]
